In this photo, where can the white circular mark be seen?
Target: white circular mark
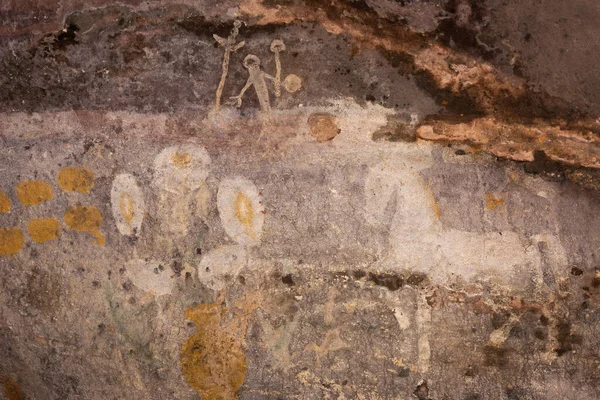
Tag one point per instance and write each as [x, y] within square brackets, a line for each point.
[292, 83]
[241, 210]
[181, 168]
[128, 206]
[150, 276]
[221, 264]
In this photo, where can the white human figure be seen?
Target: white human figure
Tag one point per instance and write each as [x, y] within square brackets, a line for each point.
[180, 173]
[179, 182]
[419, 242]
[256, 78]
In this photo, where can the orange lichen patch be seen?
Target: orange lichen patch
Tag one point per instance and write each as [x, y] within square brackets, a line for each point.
[31, 193]
[493, 201]
[127, 207]
[212, 361]
[4, 202]
[11, 240]
[11, 389]
[75, 179]
[181, 160]
[44, 229]
[244, 212]
[85, 219]
[323, 127]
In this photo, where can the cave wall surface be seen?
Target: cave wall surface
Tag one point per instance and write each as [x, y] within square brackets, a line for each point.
[299, 199]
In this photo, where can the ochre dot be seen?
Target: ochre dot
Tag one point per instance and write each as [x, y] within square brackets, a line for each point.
[4, 202]
[323, 127]
[244, 212]
[292, 83]
[75, 179]
[31, 193]
[11, 240]
[181, 160]
[44, 229]
[127, 207]
[85, 219]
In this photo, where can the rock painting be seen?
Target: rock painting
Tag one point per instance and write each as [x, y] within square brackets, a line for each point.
[242, 216]
[419, 242]
[179, 176]
[11, 240]
[221, 264]
[323, 126]
[44, 229]
[31, 193]
[76, 179]
[4, 202]
[241, 210]
[230, 46]
[85, 219]
[150, 276]
[256, 76]
[35, 192]
[128, 206]
[213, 360]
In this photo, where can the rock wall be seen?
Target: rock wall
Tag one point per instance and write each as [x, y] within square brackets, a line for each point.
[299, 199]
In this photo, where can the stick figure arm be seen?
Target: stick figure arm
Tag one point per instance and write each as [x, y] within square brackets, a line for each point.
[238, 98]
[268, 76]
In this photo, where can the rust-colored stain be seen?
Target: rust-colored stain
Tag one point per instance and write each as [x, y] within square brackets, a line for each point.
[44, 229]
[11, 389]
[493, 201]
[76, 179]
[127, 207]
[31, 193]
[323, 127]
[11, 240]
[181, 160]
[212, 360]
[4, 202]
[85, 219]
[244, 212]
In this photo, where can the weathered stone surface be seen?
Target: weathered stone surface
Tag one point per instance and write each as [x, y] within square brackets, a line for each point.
[299, 199]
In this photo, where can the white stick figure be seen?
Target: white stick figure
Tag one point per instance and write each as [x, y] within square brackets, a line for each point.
[256, 78]
[230, 46]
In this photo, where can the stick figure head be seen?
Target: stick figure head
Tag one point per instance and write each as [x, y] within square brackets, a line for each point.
[251, 61]
[277, 45]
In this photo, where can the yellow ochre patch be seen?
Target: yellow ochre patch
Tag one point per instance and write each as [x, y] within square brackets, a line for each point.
[493, 201]
[85, 219]
[212, 361]
[75, 179]
[244, 212]
[127, 207]
[31, 193]
[44, 229]
[11, 240]
[4, 202]
[181, 160]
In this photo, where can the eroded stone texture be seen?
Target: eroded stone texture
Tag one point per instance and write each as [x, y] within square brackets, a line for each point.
[299, 199]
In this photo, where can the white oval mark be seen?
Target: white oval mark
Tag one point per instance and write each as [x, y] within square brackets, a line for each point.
[241, 210]
[128, 206]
